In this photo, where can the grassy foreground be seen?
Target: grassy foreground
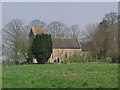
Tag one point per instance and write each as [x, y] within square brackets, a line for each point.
[61, 76]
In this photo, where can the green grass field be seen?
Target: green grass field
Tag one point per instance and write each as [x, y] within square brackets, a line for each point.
[89, 75]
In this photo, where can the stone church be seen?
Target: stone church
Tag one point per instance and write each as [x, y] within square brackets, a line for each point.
[63, 47]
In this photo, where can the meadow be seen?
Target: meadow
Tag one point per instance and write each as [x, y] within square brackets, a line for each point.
[75, 75]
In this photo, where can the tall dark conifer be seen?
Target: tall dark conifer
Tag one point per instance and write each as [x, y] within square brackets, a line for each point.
[42, 48]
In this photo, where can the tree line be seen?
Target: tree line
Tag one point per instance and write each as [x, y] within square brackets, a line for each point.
[16, 41]
[104, 38]
[102, 35]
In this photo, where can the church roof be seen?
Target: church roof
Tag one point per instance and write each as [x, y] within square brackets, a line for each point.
[36, 31]
[86, 46]
[65, 43]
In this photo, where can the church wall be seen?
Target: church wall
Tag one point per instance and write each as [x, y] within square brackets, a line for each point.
[63, 54]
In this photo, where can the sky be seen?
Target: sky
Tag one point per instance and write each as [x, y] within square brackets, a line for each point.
[81, 13]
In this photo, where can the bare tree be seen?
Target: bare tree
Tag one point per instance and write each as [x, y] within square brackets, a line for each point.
[101, 37]
[76, 32]
[111, 18]
[91, 36]
[56, 28]
[13, 36]
[37, 23]
[25, 44]
[104, 37]
[90, 29]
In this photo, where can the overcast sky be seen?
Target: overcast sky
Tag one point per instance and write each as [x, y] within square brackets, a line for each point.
[80, 13]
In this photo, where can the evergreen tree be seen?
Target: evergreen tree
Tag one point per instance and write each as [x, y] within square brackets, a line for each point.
[42, 48]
